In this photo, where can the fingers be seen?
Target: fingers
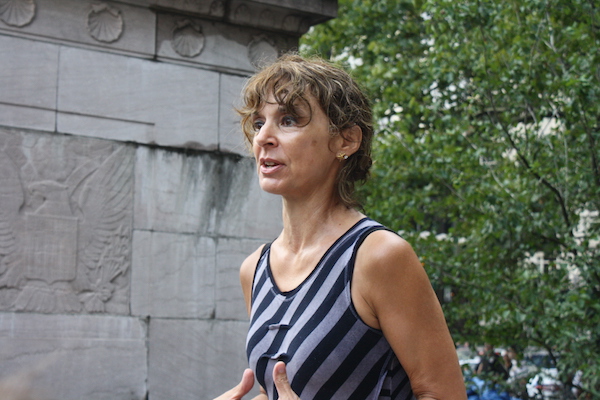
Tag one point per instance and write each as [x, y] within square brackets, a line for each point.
[238, 392]
[282, 383]
[247, 381]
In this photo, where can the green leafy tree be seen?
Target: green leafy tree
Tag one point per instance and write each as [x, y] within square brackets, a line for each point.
[488, 159]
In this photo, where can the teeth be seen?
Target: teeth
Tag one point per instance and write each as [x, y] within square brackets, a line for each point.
[269, 164]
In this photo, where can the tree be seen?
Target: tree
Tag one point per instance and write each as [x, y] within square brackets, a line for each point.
[488, 159]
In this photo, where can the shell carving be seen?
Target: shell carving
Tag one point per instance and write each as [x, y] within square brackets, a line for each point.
[188, 40]
[217, 8]
[17, 12]
[261, 51]
[243, 14]
[105, 23]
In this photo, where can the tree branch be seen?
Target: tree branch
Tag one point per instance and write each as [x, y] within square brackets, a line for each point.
[523, 160]
[592, 145]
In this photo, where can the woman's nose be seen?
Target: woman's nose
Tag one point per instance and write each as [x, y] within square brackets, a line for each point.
[265, 135]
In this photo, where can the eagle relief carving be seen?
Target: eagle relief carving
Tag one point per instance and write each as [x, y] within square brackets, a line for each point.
[65, 224]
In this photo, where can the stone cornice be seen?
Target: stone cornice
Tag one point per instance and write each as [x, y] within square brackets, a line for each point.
[286, 16]
[227, 35]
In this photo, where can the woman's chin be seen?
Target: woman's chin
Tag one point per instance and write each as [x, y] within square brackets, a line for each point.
[270, 188]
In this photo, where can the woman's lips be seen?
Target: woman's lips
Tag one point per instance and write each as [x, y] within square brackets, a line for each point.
[268, 166]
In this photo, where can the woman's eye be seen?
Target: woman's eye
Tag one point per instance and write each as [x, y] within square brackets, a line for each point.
[288, 121]
[257, 125]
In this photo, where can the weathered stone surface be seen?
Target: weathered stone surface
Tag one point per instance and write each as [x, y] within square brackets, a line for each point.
[126, 190]
[216, 44]
[28, 72]
[325, 8]
[65, 223]
[173, 191]
[274, 15]
[73, 21]
[230, 134]
[215, 8]
[27, 117]
[229, 297]
[145, 101]
[251, 213]
[195, 359]
[76, 357]
[204, 194]
[226, 35]
[173, 275]
[105, 127]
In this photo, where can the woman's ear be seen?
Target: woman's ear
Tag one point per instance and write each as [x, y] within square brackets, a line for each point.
[351, 139]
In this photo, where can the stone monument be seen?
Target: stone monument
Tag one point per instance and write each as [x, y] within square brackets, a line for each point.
[127, 197]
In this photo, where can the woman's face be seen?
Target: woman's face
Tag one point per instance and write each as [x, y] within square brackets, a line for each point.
[295, 156]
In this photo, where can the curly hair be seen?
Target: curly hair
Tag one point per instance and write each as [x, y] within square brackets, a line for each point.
[290, 80]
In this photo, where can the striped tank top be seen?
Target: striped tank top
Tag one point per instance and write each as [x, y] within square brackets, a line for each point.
[329, 351]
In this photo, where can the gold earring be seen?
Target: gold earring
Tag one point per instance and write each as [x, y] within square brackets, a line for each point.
[342, 156]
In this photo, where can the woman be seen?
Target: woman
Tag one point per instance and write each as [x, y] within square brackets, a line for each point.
[340, 306]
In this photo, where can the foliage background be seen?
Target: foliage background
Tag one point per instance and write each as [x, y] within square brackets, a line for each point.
[487, 157]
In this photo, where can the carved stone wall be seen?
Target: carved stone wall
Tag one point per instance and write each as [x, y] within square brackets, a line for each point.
[127, 197]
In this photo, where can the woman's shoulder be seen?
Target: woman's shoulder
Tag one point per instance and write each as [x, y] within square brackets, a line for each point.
[385, 242]
[384, 251]
[249, 264]
[247, 271]
[386, 271]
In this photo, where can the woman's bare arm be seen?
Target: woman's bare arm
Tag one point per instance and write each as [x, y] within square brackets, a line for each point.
[392, 292]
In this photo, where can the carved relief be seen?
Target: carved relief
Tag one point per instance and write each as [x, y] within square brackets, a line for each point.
[261, 51]
[105, 23]
[292, 23]
[188, 40]
[217, 8]
[243, 14]
[267, 15]
[193, 3]
[65, 224]
[17, 12]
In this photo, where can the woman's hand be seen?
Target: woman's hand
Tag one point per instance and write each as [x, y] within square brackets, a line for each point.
[282, 383]
[238, 392]
[279, 377]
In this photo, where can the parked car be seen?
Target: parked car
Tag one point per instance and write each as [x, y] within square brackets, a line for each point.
[545, 384]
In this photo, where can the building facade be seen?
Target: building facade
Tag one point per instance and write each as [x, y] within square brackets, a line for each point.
[127, 197]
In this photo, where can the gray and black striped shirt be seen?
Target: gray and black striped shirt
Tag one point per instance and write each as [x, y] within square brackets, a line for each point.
[329, 351]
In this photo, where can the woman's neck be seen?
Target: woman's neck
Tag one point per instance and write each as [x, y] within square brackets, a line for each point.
[306, 223]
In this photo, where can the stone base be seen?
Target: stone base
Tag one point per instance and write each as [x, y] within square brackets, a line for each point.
[74, 357]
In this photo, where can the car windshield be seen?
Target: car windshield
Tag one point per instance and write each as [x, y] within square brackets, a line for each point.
[541, 360]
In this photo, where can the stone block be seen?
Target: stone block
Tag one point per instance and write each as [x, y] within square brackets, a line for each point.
[230, 134]
[194, 40]
[248, 211]
[195, 359]
[173, 275]
[204, 194]
[28, 73]
[215, 44]
[165, 104]
[229, 297]
[105, 127]
[72, 357]
[65, 223]
[27, 117]
[109, 25]
[326, 8]
[214, 8]
[173, 191]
